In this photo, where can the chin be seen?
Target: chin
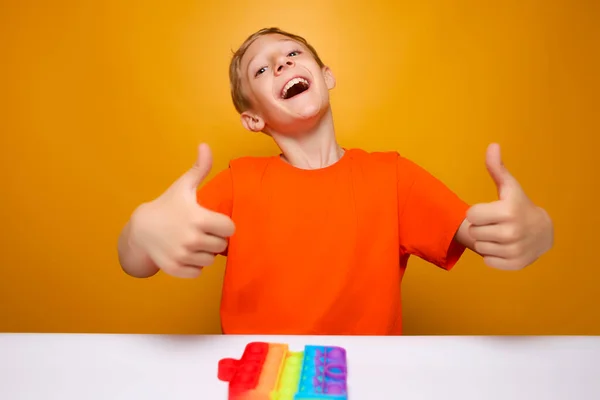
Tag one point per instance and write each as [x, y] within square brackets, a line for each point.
[310, 111]
[306, 106]
[301, 112]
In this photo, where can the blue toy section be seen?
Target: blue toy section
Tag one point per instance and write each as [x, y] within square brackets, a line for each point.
[324, 374]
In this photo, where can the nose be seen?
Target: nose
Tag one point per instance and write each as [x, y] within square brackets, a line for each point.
[283, 64]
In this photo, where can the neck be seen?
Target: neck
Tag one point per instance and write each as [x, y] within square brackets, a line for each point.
[312, 149]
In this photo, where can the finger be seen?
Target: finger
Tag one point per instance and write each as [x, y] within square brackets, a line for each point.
[210, 244]
[506, 185]
[199, 259]
[201, 168]
[188, 272]
[216, 224]
[182, 271]
[499, 233]
[501, 263]
[490, 249]
[488, 213]
[495, 166]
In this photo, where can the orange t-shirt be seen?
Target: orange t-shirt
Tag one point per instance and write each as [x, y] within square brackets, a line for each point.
[324, 251]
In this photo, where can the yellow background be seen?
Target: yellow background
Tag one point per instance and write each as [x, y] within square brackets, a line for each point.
[103, 104]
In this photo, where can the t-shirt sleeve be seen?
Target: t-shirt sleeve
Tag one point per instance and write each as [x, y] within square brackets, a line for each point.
[429, 216]
[217, 195]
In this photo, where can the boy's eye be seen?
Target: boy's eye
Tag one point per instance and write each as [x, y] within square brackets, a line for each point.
[290, 54]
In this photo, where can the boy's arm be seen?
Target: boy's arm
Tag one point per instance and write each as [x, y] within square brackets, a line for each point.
[437, 226]
[429, 216]
[134, 261]
[512, 232]
[182, 230]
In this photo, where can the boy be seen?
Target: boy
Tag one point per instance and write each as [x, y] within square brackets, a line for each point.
[322, 234]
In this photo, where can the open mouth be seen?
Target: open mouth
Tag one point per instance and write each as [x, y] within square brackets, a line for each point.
[294, 87]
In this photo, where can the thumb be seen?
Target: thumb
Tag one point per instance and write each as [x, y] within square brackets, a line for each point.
[201, 168]
[496, 168]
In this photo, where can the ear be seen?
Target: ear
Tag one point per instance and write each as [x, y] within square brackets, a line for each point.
[252, 122]
[329, 78]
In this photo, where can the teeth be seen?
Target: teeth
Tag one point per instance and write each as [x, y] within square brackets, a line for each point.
[292, 83]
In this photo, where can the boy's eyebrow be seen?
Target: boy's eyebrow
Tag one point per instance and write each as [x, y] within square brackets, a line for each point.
[281, 40]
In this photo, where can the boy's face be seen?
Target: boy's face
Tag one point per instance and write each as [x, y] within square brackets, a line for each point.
[284, 84]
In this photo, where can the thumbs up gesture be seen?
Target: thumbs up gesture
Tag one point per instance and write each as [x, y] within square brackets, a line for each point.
[512, 232]
[175, 232]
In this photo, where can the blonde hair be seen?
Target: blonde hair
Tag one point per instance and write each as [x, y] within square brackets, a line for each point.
[240, 101]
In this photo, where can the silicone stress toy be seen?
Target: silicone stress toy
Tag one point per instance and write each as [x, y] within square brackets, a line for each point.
[269, 371]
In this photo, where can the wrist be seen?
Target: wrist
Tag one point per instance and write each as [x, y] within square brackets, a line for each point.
[547, 230]
[135, 260]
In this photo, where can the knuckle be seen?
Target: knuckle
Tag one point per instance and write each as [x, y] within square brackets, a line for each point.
[510, 211]
[515, 251]
[192, 239]
[179, 254]
[478, 246]
[512, 232]
[206, 259]
[475, 232]
[489, 262]
[170, 268]
[231, 228]
[188, 243]
[222, 246]
[472, 214]
[200, 220]
[191, 272]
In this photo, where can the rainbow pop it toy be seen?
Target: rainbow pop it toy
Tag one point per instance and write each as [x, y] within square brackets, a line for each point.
[269, 371]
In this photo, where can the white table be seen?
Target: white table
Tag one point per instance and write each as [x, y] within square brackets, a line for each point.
[161, 367]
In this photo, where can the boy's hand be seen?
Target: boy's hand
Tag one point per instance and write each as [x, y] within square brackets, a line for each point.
[510, 233]
[179, 235]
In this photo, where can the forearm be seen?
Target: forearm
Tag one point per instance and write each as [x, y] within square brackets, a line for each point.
[134, 261]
